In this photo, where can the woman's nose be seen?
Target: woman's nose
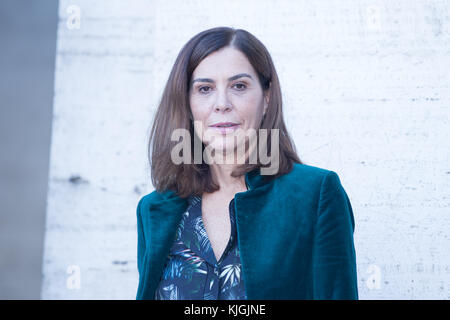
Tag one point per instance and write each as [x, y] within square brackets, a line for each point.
[222, 107]
[222, 102]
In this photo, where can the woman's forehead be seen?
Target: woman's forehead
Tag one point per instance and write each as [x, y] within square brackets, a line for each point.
[223, 64]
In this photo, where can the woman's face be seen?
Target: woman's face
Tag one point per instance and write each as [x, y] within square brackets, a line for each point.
[225, 88]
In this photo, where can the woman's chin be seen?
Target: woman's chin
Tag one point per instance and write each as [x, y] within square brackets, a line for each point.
[223, 153]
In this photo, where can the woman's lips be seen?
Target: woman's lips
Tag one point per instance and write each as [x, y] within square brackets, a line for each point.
[227, 129]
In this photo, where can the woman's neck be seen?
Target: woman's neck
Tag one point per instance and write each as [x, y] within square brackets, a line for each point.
[221, 173]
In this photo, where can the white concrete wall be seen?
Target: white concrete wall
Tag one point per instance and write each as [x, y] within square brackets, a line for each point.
[367, 94]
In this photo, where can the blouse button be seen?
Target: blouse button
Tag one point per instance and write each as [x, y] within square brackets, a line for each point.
[216, 271]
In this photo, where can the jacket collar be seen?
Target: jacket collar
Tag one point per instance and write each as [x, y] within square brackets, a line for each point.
[255, 180]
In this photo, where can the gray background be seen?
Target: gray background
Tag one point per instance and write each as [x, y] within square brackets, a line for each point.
[27, 59]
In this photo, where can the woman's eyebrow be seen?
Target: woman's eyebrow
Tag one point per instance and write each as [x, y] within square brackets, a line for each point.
[240, 75]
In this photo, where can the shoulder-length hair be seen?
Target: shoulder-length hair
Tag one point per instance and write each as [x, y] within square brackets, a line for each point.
[174, 113]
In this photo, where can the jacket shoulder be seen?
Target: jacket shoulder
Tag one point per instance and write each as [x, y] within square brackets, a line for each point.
[301, 168]
[161, 202]
[305, 175]
[306, 181]
[155, 197]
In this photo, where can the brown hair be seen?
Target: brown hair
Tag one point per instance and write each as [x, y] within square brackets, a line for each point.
[174, 112]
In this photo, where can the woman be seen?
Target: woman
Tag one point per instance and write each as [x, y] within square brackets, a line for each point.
[227, 230]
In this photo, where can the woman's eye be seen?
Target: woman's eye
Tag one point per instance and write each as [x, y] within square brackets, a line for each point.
[241, 87]
[206, 89]
[200, 89]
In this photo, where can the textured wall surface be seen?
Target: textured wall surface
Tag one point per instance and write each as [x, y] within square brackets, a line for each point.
[367, 94]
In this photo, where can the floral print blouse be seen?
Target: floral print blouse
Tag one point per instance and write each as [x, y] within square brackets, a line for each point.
[192, 271]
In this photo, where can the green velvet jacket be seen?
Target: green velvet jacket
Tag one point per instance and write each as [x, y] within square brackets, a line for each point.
[295, 235]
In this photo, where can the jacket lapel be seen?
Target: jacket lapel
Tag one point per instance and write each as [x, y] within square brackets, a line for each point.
[253, 221]
[165, 214]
